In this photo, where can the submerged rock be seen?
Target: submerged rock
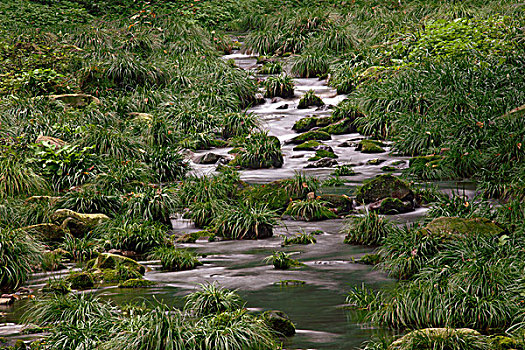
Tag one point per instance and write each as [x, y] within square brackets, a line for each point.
[344, 126]
[390, 206]
[384, 186]
[323, 163]
[208, 158]
[279, 322]
[460, 227]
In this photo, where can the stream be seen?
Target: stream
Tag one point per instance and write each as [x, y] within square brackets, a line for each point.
[329, 271]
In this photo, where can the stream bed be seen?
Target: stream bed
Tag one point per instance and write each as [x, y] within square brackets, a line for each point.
[329, 269]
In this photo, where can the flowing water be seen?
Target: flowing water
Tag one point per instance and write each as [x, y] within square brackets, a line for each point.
[328, 271]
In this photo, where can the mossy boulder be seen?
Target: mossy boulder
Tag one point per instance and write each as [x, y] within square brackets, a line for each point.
[311, 145]
[391, 206]
[323, 163]
[370, 259]
[342, 204]
[321, 153]
[111, 261]
[311, 135]
[461, 227]
[77, 223]
[279, 322]
[57, 143]
[370, 146]
[384, 186]
[75, 100]
[429, 335]
[48, 232]
[136, 283]
[81, 280]
[344, 126]
[310, 100]
[305, 124]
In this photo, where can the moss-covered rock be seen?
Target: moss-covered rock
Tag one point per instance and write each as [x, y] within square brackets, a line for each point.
[461, 227]
[311, 145]
[370, 259]
[76, 100]
[344, 126]
[370, 146]
[279, 322]
[321, 153]
[342, 204]
[384, 186]
[81, 280]
[111, 261]
[410, 340]
[310, 135]
[192, 237]
[305, 124]
[310, 99]
[77, 223]
[391, 206]
[48, 232]
[136, 283]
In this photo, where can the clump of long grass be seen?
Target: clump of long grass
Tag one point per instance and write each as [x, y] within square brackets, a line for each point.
[245, 221]
[19, 255]
[310, 210]
[212, 299]
[280, 85]
[175, 259]
[370, 229]
[259, 150]
[311, 65]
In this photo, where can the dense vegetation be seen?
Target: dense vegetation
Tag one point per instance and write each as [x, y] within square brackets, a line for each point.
[102, 101]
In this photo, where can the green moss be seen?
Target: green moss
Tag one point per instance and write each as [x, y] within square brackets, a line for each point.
[388, 168]
[310, 99]
[449, 227]
[81, 280]
[290, 283]
[311, 135]
[390, 206]
[321, 153]
[370, 259]
[192, 237]
[308, 146]
[305, 124]
[343, 170]
[279, 322]
[136, 283]
[110, 261]
[384, 186]
[370, 146]
[344, 126]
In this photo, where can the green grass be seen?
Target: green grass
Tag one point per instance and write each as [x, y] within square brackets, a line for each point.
[258, 150]
[299, 238]
[370, 229]
[311, 65]
[245, 221]
[19, 254]
[282, 261]
[212, 299]
[280, 85]
[175, 259]
[310, 210]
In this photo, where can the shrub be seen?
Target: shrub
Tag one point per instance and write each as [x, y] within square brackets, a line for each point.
[174, 259]
[19, 253]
